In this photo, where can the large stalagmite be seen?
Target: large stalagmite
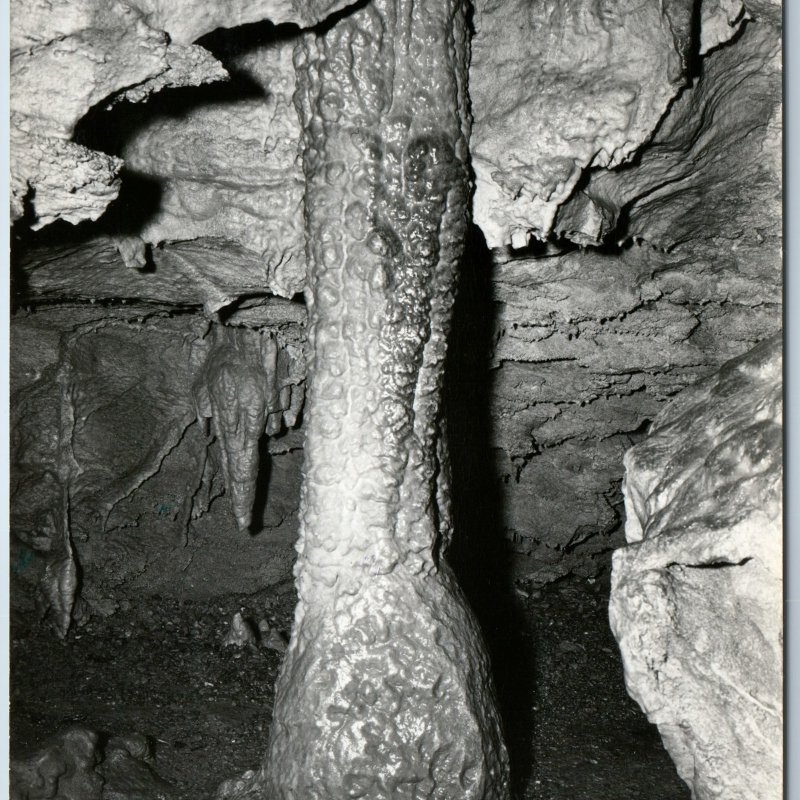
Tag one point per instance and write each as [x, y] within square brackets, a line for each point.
[385, 690]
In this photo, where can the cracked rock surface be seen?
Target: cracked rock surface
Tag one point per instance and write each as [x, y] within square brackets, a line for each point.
[67, 57]
[696, 598]
[587, 345]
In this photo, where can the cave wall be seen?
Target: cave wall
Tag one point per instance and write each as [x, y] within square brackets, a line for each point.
[628, 192]
[590, 341]
[125, 409]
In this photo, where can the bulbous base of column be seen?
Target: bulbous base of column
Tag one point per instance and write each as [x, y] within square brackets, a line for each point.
[386, 693]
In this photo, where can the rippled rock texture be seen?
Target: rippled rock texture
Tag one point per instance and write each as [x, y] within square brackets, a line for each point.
[127, 423]
[696, 599]
[228, 166]
[583, 345]
[65, 58]
[587, 345]
[573, 85]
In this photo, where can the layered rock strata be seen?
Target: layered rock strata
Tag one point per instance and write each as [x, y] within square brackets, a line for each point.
[696, 598]
[587, 345]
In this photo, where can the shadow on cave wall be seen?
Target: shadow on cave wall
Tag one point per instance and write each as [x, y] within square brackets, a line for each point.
[478, 553]
[108, 130]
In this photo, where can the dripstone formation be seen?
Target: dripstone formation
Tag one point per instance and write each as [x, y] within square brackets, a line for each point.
[385, 690]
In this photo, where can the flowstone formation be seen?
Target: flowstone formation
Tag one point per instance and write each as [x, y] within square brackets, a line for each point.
[129, 417]
[696, 596]
[385, 690]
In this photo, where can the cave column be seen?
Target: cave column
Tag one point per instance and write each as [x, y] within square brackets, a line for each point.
[385, 690]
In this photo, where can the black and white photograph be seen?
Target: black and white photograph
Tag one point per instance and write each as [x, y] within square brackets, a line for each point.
[395, 400]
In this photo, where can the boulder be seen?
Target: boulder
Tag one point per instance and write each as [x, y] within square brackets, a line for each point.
[696, 596]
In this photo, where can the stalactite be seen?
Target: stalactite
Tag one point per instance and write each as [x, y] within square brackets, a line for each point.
[57, 592]
[248, 386]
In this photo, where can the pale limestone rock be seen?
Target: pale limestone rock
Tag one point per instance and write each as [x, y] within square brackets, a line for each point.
[230, 169]
[385, 688]
[588, 345]
[696, 601]
[67, 57]
[58, 179]
[187, 20]
[719, 20]
[573, 85]
[241, 633]
[711, 176]
[185, 66]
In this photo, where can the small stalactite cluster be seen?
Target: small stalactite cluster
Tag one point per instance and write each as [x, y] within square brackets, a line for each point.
[249, 385]
[240, 383]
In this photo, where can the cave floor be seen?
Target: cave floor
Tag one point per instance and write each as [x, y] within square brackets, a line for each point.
[159, 669]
